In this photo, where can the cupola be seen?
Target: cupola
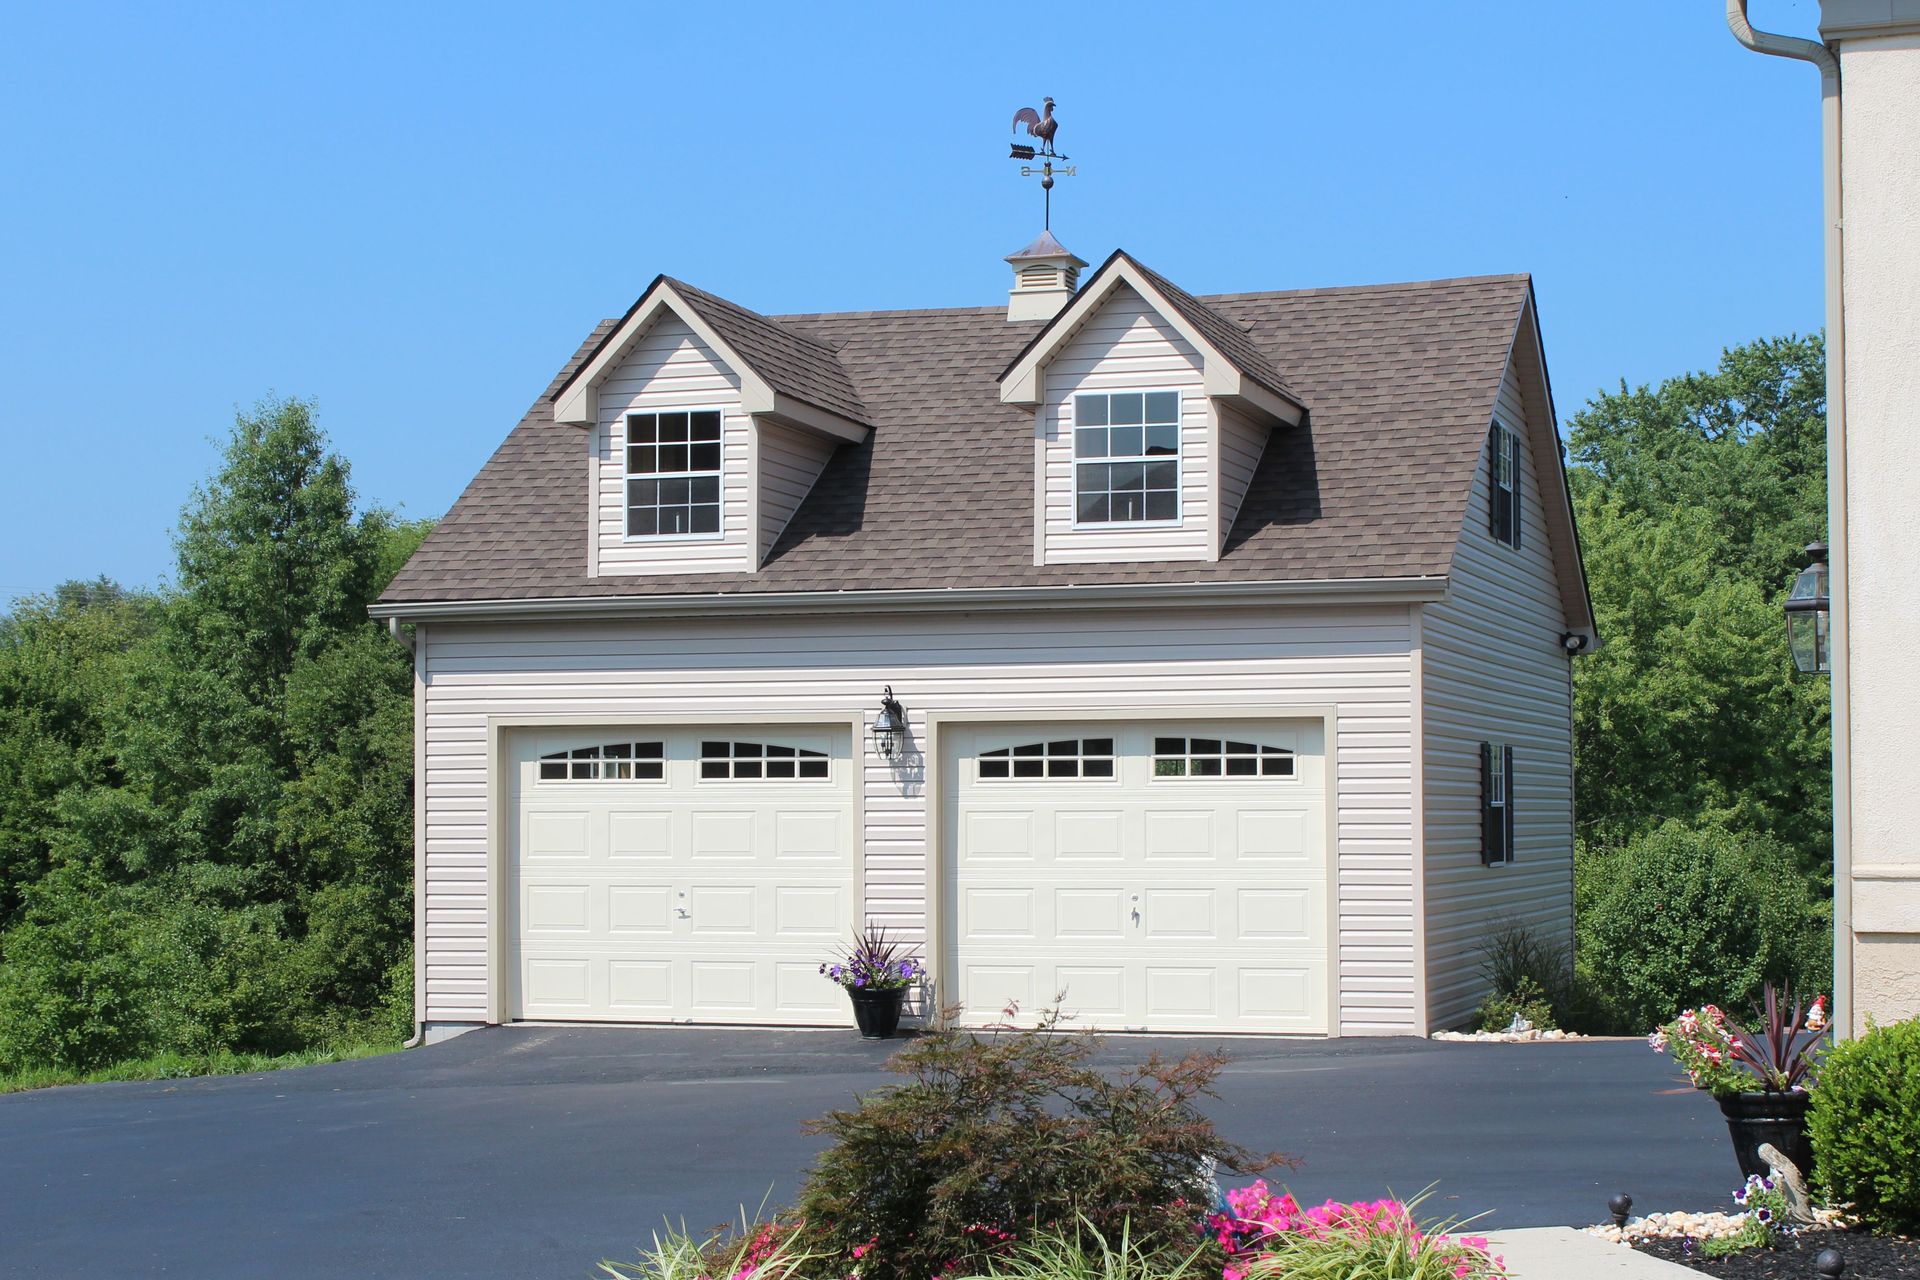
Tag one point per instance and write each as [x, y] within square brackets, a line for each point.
[1045, 275]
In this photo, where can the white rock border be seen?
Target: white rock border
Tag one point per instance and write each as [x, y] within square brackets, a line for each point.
[1701, 1226]
[1507, 1037]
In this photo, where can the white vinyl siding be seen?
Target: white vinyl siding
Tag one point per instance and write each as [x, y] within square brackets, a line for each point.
[1125, 346]
[790, 461]
[671, 369]
[1494, 671]
[1053, 665]
[1242, 441]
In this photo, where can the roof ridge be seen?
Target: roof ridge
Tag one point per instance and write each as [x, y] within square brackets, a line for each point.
[1511, 277]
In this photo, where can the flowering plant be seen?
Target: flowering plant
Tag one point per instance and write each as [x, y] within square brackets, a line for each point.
[1764, 1222]
[874, 962]
[1724, 1059]
[1269, 1236]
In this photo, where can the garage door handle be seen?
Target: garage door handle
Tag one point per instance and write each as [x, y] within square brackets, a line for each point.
[683, 912]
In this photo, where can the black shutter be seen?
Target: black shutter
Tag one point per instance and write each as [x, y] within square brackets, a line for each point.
[1496, 496]
[1492, 824]
[1506, 842]
[1513, 503]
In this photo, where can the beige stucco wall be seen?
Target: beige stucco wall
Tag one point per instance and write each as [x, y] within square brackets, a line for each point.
[1880, 150]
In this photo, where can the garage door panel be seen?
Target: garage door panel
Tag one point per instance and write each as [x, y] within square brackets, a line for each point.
[1090, 913]
[1278, 835]
[1160, 898]
[639, 910]
[642, 988]
[998, 913]
[1282, 916]
[1182, 914]
[683, 897]
[557, 835]
[808, 836]
[814, 913]
[1088, 836]
[1185, 835]
[640, 835]
[989, 989]
[1092, 992]
[725, 835]
[1000, 836]
[558, 909]
[722, 986]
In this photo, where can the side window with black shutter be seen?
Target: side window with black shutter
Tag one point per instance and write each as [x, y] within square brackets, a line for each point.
[1496, 803]
[1503, 485]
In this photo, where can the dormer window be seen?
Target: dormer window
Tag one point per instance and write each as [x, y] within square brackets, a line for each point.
[673, 474]
[1126, 451]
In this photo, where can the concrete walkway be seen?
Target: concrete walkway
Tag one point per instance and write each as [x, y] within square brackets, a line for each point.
[1562, 1253]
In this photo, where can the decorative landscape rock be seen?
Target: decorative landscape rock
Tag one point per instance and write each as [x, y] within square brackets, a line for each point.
[1786, 1176]
[1509, 1037]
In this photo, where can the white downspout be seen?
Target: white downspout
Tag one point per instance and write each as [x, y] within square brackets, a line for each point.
[1822, 57]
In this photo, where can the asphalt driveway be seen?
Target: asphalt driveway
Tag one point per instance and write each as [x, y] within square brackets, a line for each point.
[533, 1152]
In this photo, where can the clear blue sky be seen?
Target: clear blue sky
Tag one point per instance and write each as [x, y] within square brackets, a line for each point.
[412, 213]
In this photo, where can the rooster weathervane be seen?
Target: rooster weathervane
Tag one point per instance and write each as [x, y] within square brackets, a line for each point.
[1042, 126]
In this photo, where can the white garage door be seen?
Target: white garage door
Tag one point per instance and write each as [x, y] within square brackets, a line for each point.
[679, 874]
[1164, 877]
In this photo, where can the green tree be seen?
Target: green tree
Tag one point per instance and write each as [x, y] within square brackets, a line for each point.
[212, 847]
[62, 656]
[1694, 500]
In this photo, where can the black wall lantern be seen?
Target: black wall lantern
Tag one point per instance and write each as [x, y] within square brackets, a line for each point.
[1810, 615]
[890, 728]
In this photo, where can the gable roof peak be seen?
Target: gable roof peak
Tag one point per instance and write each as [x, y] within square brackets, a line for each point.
[1234, 367]
[784, 373]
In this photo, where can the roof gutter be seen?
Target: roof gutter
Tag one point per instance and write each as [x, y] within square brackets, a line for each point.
[1834, 210]
[936, 600]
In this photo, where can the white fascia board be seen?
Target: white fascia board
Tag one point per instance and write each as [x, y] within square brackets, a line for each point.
[936, 600]
[1025, 384]
[1223, 381]
[579, 404]
[788, 411]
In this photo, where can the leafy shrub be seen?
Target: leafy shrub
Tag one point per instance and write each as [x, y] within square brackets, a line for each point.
[73, 993]
[1865, 1126]
[1527, 998]
[1687, 916]
[992, 1135]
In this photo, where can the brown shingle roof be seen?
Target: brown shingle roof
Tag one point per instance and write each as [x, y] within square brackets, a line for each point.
[1399, 381]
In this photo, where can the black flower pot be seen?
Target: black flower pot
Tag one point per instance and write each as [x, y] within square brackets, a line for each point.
[1755, 1119]
[877, 1013]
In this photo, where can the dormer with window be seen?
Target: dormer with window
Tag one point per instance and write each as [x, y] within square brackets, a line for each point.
[705, 426]
[1151, 410]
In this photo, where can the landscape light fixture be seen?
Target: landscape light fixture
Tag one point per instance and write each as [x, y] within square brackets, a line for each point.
[890, 728]
[1809, 613]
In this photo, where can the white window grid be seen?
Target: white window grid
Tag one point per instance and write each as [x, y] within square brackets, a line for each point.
[1137, 461]
[673, 464]
[1062, 758]
[1226, 758]
[761, 761]
[606, 762]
